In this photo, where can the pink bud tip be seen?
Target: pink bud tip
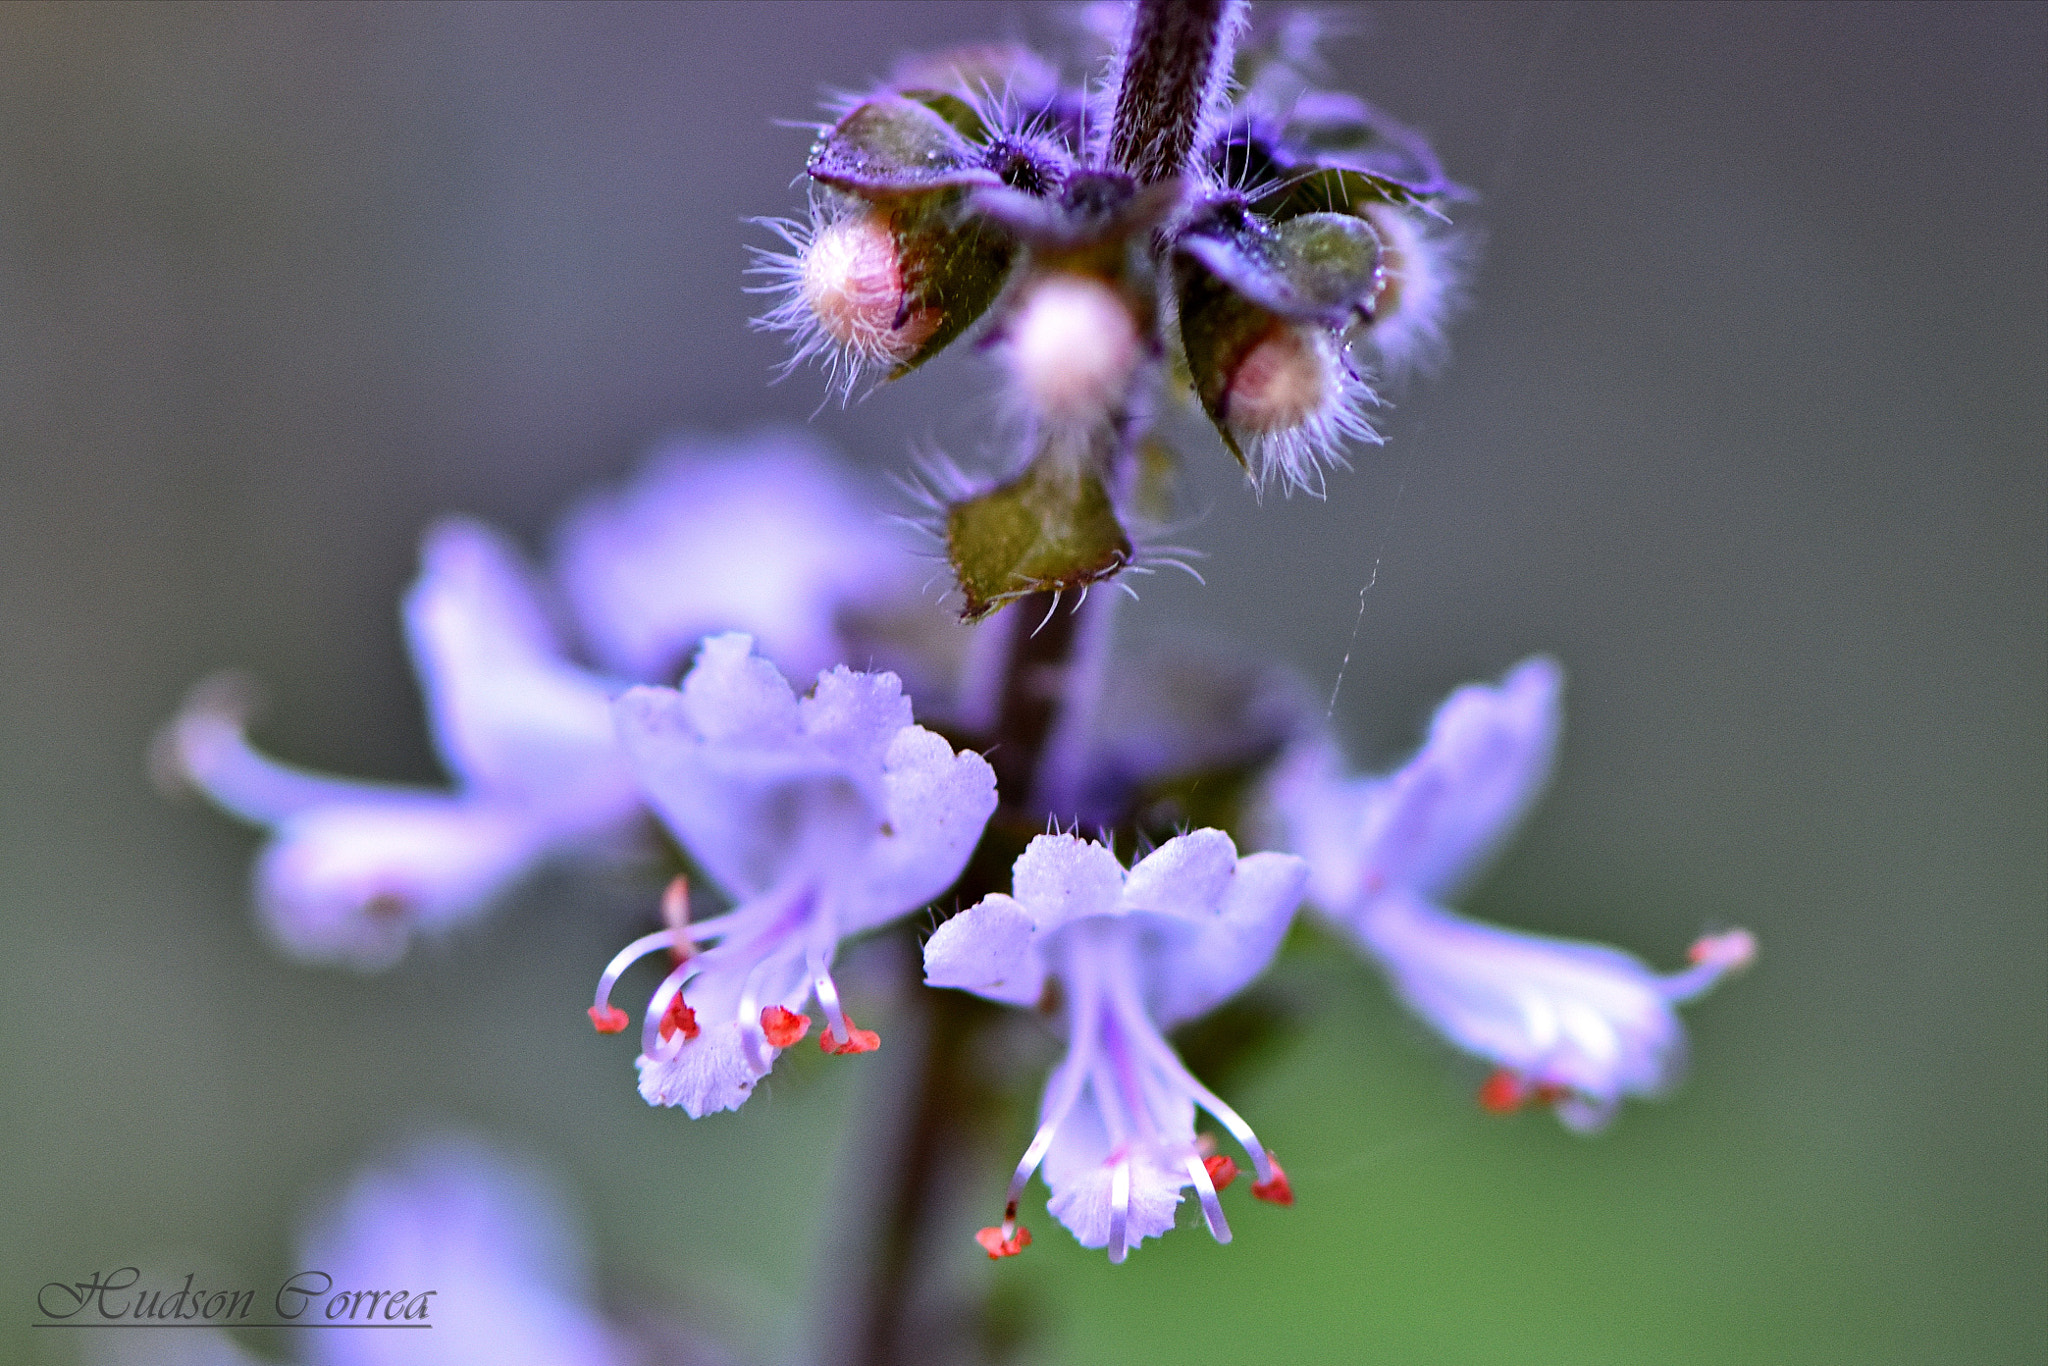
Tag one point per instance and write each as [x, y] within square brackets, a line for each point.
[1276, 1191]
[609, 1019]
[784, 1027]
[998, 1247]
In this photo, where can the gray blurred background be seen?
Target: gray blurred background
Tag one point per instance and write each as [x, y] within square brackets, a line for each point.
[1747, 427]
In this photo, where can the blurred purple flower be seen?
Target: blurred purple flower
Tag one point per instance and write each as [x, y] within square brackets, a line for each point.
[761, 534]
[481, 1250]
[1574, 1025]
[357, 868]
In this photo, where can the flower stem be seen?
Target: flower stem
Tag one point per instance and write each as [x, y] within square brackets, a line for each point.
[896, 1295]
[1176, 50]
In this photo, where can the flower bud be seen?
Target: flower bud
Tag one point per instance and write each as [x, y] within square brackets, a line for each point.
[1282, 381]
[1417, 290]
[850, 278]
[1073, 349]
[881, 287]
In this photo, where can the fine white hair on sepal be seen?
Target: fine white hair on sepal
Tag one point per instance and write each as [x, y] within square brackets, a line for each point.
[840, 294]
[1294, 402]
[1422, 269]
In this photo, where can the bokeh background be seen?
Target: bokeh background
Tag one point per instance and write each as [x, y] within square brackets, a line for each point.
[1747, 426]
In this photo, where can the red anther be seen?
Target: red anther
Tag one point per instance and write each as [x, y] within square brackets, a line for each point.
[1276, 1191]
[857, 1040]
[1222, 1171]
[1503, 1093]
[609, 1019]
[784, 1027]
[998, 1247]
[678, 1018]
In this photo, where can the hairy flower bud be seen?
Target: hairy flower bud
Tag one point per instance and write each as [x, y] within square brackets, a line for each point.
[851, 279]
[1282, 381]
[1417, 290]
[1073, 349]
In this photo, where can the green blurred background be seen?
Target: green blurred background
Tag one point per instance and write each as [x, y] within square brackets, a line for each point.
[1747, 427]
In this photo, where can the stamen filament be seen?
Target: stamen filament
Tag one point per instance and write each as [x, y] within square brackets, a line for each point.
[1212, 1208]
[623, 959]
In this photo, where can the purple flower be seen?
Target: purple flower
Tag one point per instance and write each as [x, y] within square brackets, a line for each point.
[759, 533]
[356, 869]
[510, 1279]
[1133, 954]
[821, 817]
[461, 1256]
[762, 534]
[1573, 1025]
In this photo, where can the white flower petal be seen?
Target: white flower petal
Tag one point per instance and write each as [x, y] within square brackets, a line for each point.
[853, 717]
[1192, 974]
[1186, 876]
[934, 803]
[1059, 878]
[1082, 1178]
[987, 949]
[712, 1072]
[840, 790]
[731, 693]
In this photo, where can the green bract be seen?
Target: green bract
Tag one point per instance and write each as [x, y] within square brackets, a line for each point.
[954, 265]
[1320, 267]
[895, 145]
[1048, 530]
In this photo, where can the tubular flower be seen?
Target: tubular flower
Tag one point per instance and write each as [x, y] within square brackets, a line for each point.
[356, 868]
[760, 534]
[494, 1242]
[821, 817]
[1573, 1025]
[1133, 954]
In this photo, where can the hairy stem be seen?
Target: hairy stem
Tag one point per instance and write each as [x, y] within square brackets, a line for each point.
[1177, 51]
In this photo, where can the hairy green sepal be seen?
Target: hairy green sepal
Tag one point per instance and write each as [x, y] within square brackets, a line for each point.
[1049, 530]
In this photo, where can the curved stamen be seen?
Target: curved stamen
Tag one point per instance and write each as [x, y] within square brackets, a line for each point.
[817, 959]
[623, 959]
[1212, 1208]
[1163, 1056]
[1071, 1078]
[1713, 957]
[751, 1027]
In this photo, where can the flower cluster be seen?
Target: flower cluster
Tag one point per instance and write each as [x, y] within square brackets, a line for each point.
[763, 535]
[1220, 226]
[1263, 260]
